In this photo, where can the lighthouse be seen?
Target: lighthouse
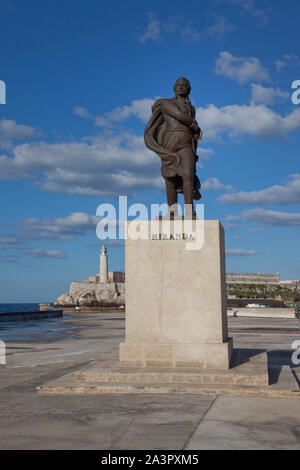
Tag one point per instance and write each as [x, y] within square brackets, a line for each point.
[103, 265]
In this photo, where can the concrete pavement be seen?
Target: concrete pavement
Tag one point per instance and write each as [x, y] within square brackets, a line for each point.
[32, 421]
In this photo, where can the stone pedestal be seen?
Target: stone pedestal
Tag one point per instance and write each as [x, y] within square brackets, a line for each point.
[175, 296]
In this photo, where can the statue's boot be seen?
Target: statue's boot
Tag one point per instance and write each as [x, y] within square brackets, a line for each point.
[171, 196]
[188, 190]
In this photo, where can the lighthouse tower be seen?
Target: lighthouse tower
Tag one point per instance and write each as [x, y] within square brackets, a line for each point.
[103, 265]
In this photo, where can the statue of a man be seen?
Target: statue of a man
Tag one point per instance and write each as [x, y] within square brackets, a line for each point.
[173, 133]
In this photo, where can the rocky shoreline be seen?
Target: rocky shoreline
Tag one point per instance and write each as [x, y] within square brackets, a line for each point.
[90, 294]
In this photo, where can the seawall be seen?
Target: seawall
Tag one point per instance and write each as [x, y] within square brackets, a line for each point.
[25, 316]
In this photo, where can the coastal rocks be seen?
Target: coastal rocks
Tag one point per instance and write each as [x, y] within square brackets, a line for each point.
[93, 294]
[87, 299]
[65, 299]
[110, 293]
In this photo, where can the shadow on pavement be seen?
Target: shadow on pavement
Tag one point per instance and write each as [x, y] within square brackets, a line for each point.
[276, 360]
[241, 356]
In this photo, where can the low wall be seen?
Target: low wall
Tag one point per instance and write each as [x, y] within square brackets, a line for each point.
[25, 316]
[99, 309]
[262, 312]
[242, 303]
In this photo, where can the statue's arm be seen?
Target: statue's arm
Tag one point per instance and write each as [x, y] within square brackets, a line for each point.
[198, 131]
[172, 110]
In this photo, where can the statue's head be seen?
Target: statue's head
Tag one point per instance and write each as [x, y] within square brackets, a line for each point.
[182, 87]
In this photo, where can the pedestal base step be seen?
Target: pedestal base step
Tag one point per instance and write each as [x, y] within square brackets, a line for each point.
[70, 387]
[97, 373]
[247, 377]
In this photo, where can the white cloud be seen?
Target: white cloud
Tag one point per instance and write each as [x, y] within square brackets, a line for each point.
[128, 181]
[278, 194]
[98, 166]
[8, 259]
[38, 253]
[77, 223]
[13, 241]
[232, 218]
[190, 33]
[103, 165]
[272, 217]
[10, 131]
[156, 29]
[9, 240]
[280, 64]
[266, 95]
[82, 112]
[236, 120]
[153, 29]
[252, 120]
[242, 252]
[138, 108]
[203, 154]
[254, 229]
[214, 184]
[241, 69]
[219, 27]
[112, 163]
[250, 7]
[64, 228]
[287, 60]
[101, 121]
[231, 227]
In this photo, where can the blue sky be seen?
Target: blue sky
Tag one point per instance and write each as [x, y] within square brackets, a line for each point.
[81, 77]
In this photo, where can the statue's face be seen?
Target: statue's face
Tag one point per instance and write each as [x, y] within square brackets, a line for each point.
[182, 87]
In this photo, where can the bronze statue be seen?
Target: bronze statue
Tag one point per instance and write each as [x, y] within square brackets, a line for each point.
[173, 133]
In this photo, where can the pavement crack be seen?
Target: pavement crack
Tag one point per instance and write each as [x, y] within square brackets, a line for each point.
[199, 422]
[122, 433]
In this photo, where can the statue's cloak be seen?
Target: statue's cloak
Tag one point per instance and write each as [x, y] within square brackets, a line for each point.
[171, 161]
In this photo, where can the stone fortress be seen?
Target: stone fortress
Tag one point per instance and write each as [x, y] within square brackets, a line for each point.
[261, 278]
[252, 278]
[104, 289]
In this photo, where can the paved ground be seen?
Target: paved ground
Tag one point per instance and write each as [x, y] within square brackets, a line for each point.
[43, 352]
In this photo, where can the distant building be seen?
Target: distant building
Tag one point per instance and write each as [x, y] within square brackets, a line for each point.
[106, 288]
[116, 276]
[295, 284]
[252, 278]
[103, 273]
[104, 276]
